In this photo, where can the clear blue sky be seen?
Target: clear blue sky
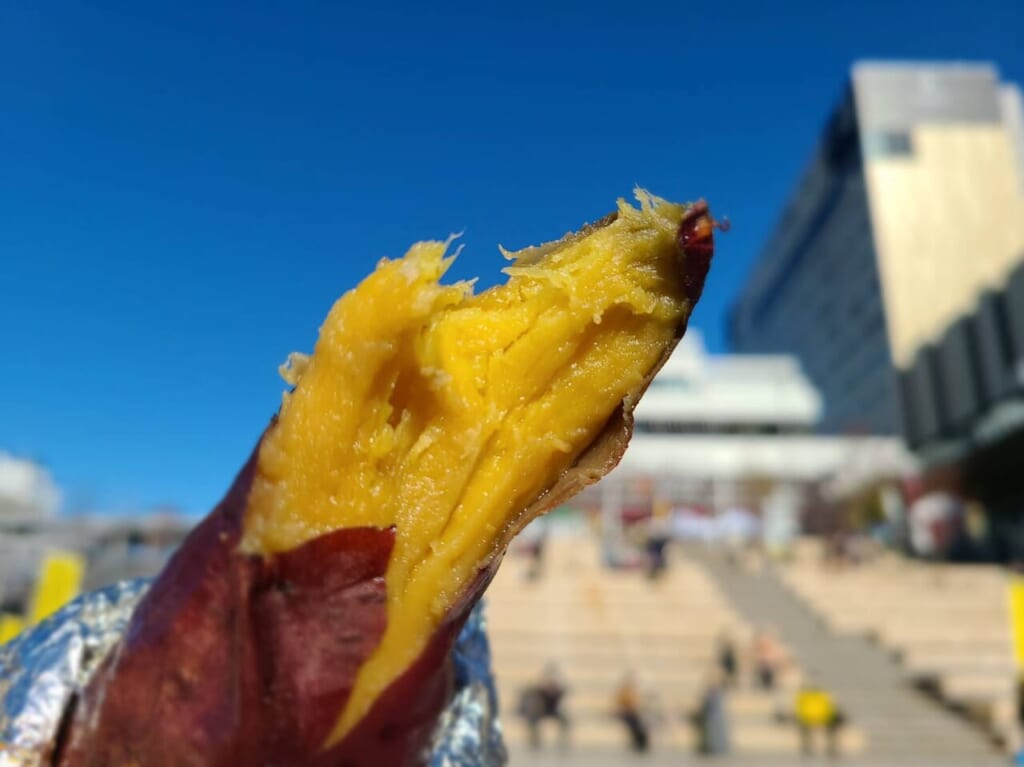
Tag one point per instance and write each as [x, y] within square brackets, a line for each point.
[185, 188]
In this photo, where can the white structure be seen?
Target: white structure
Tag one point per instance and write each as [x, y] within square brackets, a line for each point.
[27, 491]
[766, 394]
[716, 430]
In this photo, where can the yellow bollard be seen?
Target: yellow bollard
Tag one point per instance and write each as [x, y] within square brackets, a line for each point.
[1016, 600]
[60, 580]
[10, 626]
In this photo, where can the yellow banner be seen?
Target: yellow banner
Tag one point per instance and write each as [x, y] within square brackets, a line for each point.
[60, 580]
[1017, 618]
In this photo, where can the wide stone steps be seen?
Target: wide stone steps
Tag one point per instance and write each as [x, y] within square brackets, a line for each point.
[900, 724]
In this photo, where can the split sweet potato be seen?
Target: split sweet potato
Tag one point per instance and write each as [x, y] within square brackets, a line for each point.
[308, 620]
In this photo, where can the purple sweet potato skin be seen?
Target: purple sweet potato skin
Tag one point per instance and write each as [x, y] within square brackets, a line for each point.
[237, 660]
[396, 730]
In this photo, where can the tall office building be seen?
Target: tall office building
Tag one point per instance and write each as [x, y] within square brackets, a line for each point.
[911, 208]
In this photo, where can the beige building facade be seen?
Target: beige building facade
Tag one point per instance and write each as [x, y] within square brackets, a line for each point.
[944, 190]
[892, 273]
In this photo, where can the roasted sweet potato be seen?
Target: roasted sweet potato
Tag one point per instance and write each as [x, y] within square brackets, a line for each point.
[308, 620]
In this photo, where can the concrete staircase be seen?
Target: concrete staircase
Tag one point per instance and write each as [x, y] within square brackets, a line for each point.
[902, 726]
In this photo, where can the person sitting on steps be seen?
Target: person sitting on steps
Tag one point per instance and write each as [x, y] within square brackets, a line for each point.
[816, 711]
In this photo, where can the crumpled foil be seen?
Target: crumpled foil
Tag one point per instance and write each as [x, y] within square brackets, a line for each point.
[42, 669]
[469, 733]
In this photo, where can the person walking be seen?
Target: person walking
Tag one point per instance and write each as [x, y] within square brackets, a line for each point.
[711, 719]
[629, 710]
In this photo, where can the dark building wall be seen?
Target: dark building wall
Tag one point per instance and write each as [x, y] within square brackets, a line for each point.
[963, 398]
[958, 383]
[815, 292]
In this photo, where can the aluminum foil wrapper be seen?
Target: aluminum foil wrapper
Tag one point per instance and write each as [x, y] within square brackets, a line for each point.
[469, 733]
[42, 669]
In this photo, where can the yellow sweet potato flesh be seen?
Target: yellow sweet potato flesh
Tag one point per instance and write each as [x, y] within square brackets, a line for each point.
[447, 414]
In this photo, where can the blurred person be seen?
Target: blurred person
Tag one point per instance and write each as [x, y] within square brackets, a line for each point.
[532, 545]
[728, 663]
[543, 700]
[659, 534]
[629, 710]
[816, 711]
[969, 539]
[539, 544]
[934, 518]
[766, 653]
[711, 719]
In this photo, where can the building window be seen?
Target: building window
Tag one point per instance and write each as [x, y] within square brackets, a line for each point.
[1004, 335]
[889, 144]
